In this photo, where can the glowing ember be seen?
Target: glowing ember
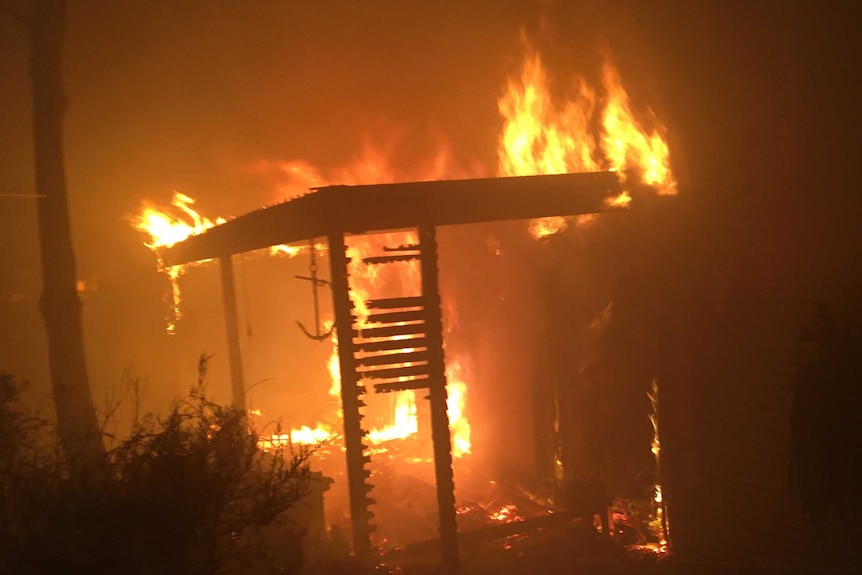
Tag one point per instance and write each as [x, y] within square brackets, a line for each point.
[620, 201]
[506, 514]
[543, 136]
[659, 525]
[544, 227]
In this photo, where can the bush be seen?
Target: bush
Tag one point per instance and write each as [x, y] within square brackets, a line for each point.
[188, 493]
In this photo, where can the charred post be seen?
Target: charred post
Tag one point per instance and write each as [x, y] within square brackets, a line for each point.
[350, 402]
[438, 396]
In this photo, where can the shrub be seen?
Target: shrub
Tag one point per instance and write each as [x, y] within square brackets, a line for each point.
[189, 492]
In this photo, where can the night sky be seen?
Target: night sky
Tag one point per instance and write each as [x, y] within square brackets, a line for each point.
[759, 100]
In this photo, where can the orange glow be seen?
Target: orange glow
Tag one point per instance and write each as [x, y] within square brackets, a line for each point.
[622, 200]
[167, 226]
[659, 524]
[455, 406]
[583, 133]
[405, 423]
[332, 365]
[285, 250]
[626, 145]
[299, 436]
[375, 281]
[506, 514]
[374, 165]
[544, 227]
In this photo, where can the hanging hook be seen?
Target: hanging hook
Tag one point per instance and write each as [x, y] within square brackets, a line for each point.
[318, 335]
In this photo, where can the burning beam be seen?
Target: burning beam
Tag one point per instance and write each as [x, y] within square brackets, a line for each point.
[370, 208]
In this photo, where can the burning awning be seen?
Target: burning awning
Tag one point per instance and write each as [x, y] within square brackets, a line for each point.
[370, 208]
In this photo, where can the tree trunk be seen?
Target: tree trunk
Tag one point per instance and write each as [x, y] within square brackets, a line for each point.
[61, 308]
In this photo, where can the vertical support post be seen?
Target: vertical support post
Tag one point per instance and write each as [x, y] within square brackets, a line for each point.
[234, 356]
[438, 396]
[350, 402]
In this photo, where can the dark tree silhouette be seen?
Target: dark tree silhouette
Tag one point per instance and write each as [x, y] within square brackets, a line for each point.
[827, 426]
[59, 304]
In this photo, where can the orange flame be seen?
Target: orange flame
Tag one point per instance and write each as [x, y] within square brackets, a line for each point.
[455, 409]
[167, 227]
[543, 136]
[405, 423]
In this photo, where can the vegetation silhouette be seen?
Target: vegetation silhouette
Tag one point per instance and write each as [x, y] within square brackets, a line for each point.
[188, 492]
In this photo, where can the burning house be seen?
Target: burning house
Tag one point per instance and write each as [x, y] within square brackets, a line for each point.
[391, 340]
[550, 331]
[504, 336]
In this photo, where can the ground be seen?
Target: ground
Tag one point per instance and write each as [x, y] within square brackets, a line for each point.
[563, 549]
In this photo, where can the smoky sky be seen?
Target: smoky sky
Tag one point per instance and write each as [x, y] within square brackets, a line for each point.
[759, 100]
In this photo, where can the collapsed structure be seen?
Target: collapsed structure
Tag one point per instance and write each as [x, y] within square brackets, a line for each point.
[398, 344]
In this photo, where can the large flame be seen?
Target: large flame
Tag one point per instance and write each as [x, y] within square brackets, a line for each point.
[583, 133]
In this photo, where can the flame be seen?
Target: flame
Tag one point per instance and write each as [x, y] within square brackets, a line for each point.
[581, 134]
[286, 250]
[506, 514]
[167, 226]
[299, 436]
[374, 165]
[374, 281]
[405, 423]
[455, 408]
[166, 229]
[626, 145]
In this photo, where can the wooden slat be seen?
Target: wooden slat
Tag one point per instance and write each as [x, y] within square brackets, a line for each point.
[418, 383]
[390, 331]
[395, 302]
[390, 344]
[397, 316]
[377, 260]
[393, 358]
[396, 372]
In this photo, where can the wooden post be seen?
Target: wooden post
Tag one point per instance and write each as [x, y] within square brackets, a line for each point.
[350, 403]
[438, 396]
[231, 323]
